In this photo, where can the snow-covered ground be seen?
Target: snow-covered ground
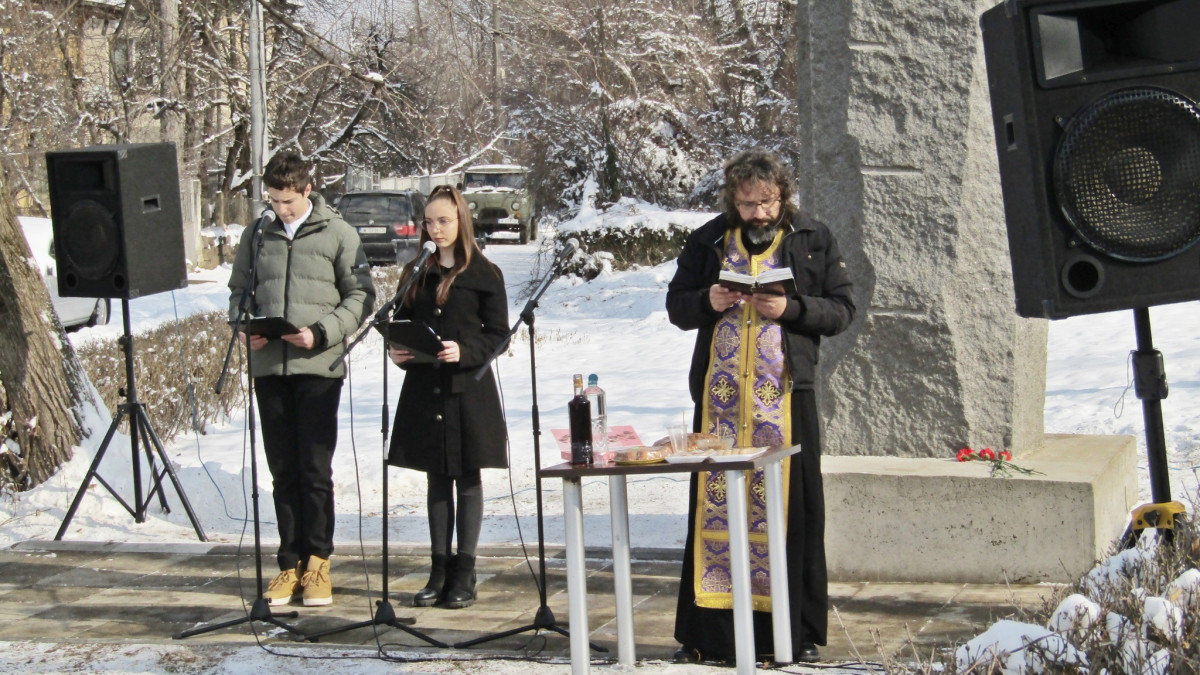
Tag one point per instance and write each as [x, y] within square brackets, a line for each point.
[581, 327]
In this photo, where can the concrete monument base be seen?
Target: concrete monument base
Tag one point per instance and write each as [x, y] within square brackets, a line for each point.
[940, 520]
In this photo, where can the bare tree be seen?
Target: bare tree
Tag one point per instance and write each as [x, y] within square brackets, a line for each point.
[44, 384]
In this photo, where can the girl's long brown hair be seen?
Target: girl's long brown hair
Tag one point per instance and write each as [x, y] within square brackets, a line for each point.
[465, 247]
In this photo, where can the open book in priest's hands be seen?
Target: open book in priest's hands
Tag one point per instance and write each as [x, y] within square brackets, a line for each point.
[778, 281]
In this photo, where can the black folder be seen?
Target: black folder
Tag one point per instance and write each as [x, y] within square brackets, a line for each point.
[270, 327]
[415, 336]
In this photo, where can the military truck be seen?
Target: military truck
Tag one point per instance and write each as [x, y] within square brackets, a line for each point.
[502, 206]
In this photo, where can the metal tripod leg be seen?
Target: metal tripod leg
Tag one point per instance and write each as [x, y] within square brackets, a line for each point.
[151, 437]
[260, 611]
[385, 615]
[544, 619]
[139, 424]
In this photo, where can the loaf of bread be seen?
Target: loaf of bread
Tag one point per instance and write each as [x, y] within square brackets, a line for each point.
[697, 441]
[638, 454]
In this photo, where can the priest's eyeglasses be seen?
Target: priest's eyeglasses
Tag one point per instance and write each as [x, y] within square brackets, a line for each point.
[751, 207]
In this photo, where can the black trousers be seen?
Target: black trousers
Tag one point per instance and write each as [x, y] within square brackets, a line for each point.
[711, 630]
[299, 429]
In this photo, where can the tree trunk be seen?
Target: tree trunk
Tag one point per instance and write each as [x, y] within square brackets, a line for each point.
[45, 386]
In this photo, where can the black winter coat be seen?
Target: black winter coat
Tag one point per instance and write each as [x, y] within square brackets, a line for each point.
[825, 303]
[446, 421]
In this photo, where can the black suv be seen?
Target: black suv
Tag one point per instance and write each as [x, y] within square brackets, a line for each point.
[388, 222]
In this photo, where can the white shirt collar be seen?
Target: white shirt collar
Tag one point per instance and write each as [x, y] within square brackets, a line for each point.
[290, 228]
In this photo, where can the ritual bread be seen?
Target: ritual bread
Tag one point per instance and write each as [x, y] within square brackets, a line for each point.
[707, 442]
[697, 442]
[641, 453]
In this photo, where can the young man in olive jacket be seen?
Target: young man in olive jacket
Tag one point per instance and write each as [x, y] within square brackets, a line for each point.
[753, 378]
[310, 269]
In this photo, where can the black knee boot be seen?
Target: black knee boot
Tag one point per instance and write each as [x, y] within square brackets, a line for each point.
[460, 587]
[437, 581]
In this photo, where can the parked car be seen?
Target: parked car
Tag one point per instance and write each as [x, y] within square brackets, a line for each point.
[387, 221]
[501, 203]
[74, 313]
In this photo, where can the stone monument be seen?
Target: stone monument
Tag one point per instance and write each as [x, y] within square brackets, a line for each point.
[898, 158]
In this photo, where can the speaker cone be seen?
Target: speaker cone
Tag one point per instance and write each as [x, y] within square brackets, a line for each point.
[1127, 174]
[94, 245]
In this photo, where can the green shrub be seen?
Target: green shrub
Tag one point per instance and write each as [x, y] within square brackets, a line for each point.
[176, 366]
[624, 248]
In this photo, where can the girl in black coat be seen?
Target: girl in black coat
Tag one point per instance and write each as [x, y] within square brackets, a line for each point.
[448, 424]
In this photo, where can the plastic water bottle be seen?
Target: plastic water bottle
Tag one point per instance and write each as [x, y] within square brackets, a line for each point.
[595, 396]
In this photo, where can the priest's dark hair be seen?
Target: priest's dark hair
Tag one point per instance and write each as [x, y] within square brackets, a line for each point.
[756, 166]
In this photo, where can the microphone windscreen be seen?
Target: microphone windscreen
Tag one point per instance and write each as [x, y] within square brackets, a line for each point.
[572, 245]
[268, 216]
[429, 247]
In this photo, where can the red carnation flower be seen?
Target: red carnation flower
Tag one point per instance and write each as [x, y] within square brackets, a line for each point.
[1005, 455]
[987, 453]
[965, 454]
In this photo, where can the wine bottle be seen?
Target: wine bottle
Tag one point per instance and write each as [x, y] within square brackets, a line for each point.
[579, 413]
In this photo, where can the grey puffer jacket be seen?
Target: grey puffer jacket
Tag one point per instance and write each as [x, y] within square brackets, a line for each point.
[320, 279]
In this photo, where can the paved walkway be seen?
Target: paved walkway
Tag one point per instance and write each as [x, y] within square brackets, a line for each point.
[139, 593]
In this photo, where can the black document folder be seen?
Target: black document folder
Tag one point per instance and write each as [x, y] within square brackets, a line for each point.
[415, 336]
[270, 327]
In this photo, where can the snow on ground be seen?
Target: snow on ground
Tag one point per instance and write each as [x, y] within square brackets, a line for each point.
[585, 327]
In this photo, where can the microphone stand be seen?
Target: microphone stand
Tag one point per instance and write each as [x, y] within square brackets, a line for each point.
[260, 610]
[385, 312]
[386, 614]
[544, 618]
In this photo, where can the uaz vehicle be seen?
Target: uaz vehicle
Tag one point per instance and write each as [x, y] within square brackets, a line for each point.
[388, 222]
[501, 205]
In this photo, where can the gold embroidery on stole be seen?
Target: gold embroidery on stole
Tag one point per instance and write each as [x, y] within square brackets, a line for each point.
[746, 359]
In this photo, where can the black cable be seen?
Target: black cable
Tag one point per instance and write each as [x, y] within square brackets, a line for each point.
[512, 494]
[191, 389]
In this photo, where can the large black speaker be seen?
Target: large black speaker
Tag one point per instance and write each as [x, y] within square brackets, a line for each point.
[1098, 134]
[117, 222]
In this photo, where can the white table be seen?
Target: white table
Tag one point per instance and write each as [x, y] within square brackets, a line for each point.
[739, 550]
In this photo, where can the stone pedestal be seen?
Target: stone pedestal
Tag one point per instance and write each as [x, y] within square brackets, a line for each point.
[940, 520]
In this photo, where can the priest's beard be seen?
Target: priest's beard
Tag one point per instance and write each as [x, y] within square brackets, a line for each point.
[760, 231]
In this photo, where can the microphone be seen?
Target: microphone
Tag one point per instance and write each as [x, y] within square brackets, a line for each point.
[426, 251]
[267, 217]
[567, 251]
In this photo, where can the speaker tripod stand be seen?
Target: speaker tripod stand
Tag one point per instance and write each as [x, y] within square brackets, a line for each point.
[1150, 386]
[139, 429]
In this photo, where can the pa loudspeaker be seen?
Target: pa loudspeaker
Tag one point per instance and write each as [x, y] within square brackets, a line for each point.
[117, 222]
[1098, 135]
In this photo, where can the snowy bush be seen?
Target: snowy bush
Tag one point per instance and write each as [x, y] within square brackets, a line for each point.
[621, 248]
[1134, 613]
[176, 366]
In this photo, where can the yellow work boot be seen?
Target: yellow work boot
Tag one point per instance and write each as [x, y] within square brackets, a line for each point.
[284, 586]
[318, 589]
